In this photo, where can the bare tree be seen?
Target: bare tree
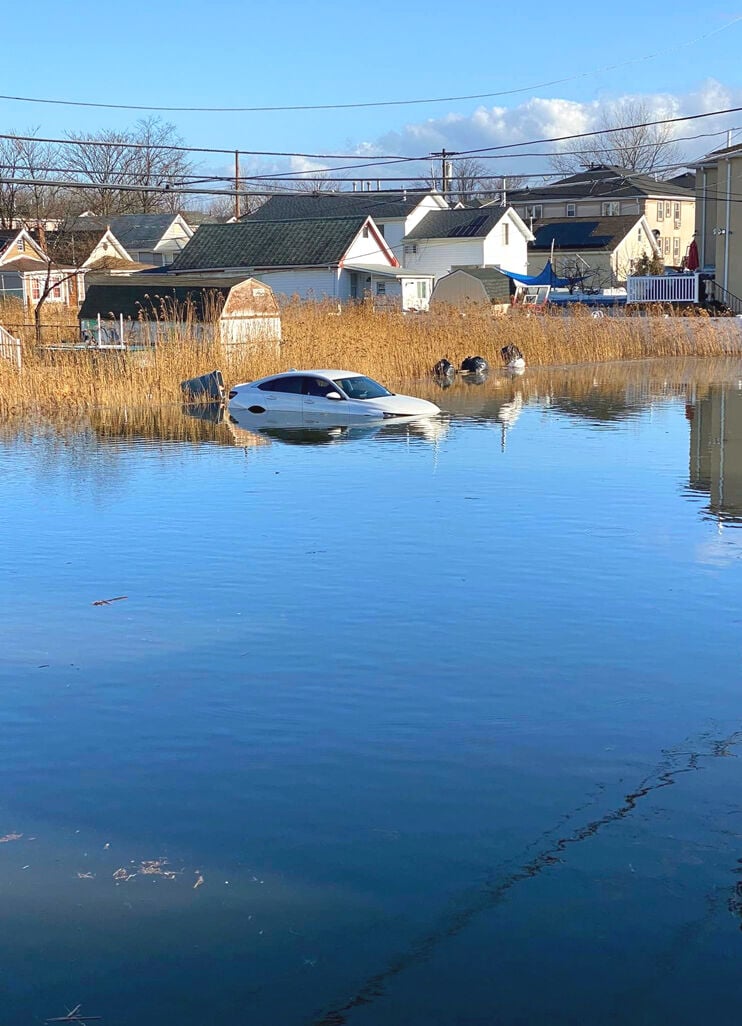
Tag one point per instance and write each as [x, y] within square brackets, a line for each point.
[26, 168]
[626, 140]
[146, 156]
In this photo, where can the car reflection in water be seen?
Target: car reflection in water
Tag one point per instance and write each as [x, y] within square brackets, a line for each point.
[291, 430]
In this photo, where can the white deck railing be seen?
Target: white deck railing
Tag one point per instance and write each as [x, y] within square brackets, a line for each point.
[675, 288]
[10, 348]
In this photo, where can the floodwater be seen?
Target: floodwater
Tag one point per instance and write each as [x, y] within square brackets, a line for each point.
[435, 724]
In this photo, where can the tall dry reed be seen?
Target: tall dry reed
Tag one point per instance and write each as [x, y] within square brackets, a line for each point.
[388, 345]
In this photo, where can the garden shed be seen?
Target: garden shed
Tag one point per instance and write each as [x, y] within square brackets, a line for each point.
[467, 285]
[146, 310]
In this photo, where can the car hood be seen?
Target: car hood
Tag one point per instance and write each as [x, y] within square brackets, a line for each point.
[401, 406]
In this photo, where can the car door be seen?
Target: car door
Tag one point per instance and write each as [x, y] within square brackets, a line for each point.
[318, 409]
[282, 398]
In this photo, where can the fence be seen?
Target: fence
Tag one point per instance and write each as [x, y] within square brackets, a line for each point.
[10, 348]
[674, 288]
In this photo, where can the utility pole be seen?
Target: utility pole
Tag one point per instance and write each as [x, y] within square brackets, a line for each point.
[445, 169]
[237, 184]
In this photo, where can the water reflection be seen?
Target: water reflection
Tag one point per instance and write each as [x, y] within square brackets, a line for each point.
[716, 449]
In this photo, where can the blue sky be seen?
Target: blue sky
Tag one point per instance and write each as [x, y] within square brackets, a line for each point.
[232, 54]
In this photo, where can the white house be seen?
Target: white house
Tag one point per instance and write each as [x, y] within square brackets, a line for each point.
[483, 237]
[337, 258]
[395, 213]
[154, 239]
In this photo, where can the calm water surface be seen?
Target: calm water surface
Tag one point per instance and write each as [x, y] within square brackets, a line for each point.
[434, 725]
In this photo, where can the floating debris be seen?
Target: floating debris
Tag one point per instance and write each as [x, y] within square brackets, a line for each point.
[86, 876]
[123, 875]
[198, 882]
[10, 837]
[107, 602]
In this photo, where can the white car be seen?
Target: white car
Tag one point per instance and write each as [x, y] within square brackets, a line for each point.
[326, 396]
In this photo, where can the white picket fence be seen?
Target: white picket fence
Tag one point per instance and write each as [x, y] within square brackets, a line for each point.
[10, 348]
[674, 288]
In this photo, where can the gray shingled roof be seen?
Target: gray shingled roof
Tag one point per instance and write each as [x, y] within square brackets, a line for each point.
[457, 224]
[150, 301]
[321, 205]
[133, 231]
[257, 243]
[577, 233]
[600, 183]
[496, 284]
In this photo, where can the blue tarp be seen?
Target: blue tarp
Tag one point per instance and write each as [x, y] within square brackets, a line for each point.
[546, 277]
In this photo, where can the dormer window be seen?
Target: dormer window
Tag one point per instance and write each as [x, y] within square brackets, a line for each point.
[571, 210]
[612, 208]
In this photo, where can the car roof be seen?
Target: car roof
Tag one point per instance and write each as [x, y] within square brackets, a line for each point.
[323, 372]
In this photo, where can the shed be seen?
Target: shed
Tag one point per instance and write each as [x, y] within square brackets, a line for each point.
[467, 285]
[147, 309]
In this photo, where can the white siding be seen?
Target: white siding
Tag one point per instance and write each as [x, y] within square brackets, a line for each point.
[366, 250]
[438, 256]
[312, 283]
[394, 232]
[514, 255]
[174, 240]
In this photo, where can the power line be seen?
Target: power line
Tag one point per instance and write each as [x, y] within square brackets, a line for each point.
[375, 103]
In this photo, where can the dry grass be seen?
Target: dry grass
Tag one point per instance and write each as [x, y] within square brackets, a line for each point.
[387, 345]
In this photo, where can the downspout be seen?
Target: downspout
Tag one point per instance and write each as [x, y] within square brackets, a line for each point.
[704, 201]
[727, 223]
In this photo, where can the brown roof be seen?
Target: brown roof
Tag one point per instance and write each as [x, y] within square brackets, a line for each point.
[23, 264]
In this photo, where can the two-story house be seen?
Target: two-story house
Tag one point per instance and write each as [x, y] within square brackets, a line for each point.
[719, 216]
[600, 192]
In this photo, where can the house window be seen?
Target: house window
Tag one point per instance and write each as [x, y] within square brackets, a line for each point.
[422, 290]
[668, 208]
[639, 234]
[676, 249]
[56, 292]
[410, 249]
[534, 211]
[571, 210]
[380, 288]
[677, 215]
[21, 245]
[35, 289]
[660, 210]
[610, 209]
[667, 245]
[505, 234]
[365, 232]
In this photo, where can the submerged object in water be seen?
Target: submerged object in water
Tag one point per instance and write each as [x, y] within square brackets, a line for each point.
[209, 386]
[475, 365]
[512, 357]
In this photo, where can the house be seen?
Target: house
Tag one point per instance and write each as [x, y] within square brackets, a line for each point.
[19, 252]
[606, 191]
[719, 219]
[395, 213]
[336, 258]
[467, 285]
[603, 250]
[150, 309]
[153, 239]
[444, 239]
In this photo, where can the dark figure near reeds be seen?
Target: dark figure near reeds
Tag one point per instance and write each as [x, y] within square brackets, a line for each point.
[511, 356]
[444, 372]
[475, 365]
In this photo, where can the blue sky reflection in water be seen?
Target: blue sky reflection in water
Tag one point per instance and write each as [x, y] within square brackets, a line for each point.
[446, 720]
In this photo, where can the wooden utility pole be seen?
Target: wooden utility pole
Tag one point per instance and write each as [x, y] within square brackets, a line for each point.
[237, 184]
[445, 180]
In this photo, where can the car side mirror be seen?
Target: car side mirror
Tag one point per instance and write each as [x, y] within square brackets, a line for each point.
[333, 395]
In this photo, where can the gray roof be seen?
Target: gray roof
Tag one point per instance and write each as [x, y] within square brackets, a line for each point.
[266, 244]
[133, 231]
[379, 205]
[457, 224]
[601, 183]
[578, 233]
[496, 284]
[151, 302]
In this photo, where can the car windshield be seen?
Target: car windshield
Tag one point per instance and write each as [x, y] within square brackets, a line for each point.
[359, 387]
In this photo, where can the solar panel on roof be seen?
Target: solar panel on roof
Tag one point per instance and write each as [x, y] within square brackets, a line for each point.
[469, 228]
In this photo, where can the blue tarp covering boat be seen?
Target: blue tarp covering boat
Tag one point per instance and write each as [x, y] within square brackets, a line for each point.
[545, 277]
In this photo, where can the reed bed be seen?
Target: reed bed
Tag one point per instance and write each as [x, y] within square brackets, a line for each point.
[388, 345]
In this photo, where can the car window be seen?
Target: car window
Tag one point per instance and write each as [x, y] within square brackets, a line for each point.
[290, 384]
[318, 386]
[360, 387]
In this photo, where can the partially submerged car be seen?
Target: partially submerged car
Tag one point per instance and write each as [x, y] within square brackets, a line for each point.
[326, 396]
